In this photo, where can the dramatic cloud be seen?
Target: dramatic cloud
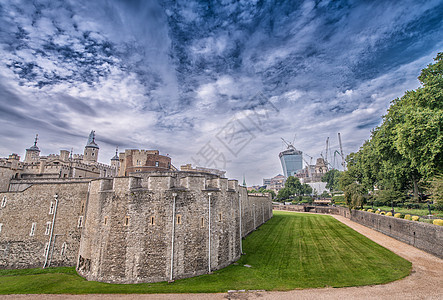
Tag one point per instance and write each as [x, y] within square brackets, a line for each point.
[181, 76]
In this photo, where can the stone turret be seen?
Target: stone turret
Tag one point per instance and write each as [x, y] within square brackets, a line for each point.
[115, 161]
[33, 152]
[91, 149]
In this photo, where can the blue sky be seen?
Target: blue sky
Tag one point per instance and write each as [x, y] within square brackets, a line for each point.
[212, 82]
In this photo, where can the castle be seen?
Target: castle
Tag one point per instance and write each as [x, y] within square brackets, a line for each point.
[136, 220]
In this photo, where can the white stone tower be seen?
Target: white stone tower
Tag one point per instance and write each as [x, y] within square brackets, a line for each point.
[33, 152]
[91, 149]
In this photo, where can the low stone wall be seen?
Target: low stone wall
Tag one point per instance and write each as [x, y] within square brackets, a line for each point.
[424, 236]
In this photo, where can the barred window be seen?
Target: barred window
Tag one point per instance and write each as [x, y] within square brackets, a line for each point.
[51, 208]
[32, 229]
[48, 228]
[80, 222]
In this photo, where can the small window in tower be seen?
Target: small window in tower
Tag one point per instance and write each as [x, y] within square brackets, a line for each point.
[179, 219]
[156, 163]
[105, 221]
[51, 208]
[32, 229]
[202, 222]
[83, 208]
[220, 217]
[4, 201]
[127, 221]
[152, 220]
[1, 226]
[62, 251]
[48, 228]
[80, 222]
[92, 153]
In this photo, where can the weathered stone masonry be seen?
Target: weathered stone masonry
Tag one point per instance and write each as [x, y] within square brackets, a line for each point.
[153, 227]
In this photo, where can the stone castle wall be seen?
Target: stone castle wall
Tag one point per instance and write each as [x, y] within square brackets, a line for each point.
[128, 229]
[165, 227]
[21, 248]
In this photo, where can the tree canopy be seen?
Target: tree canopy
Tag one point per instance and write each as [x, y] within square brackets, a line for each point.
[405, 152]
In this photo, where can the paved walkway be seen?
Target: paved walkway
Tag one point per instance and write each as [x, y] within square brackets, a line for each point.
[425, 282]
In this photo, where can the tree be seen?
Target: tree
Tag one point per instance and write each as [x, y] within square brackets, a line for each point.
[294, 185]
[331, 178]
[263, 190]
[405, 151]
[284, 194]
[306, 189]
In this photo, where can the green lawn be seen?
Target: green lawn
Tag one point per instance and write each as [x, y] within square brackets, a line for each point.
[290, 251]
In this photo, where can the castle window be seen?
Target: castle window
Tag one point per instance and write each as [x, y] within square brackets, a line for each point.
[4, 201]
[46, 249]
[51, 208]
[62, 251]
[179, 219]
[1, 225]
[202, 222]
[127, 221]
[105, 221]
[80, 222]
[220, 217]
[32, 229]
[152, 220]
[48, 228]
[156, 163]
[83, 208]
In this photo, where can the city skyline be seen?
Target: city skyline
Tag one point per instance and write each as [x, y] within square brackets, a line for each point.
[210, 83]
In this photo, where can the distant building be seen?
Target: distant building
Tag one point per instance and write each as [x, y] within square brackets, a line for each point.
[291, 161]
[134, 161]
[189, 168]
[275, 183]
[63, 165]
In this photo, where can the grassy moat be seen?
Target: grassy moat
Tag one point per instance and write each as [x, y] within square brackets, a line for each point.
[290, 251]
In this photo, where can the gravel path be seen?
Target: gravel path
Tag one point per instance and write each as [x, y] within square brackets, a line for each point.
[425, 281]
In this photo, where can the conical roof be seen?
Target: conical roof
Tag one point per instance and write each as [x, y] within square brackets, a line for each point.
[34, 147]
[91, 141]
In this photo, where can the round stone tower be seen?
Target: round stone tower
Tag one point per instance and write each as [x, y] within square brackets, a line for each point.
[91, 149]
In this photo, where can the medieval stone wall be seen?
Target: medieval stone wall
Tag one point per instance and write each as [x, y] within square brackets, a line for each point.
[26, 219]
[159, 226]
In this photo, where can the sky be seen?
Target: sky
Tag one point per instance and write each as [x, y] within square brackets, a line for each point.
[212, 83]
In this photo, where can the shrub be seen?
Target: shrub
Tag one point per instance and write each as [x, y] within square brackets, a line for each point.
[407, 217]
[415, 218]
[389, 214]
[370, 210]
[377, 212]
[397, 215]
[438, 222]
[426, 221]
[382, 213]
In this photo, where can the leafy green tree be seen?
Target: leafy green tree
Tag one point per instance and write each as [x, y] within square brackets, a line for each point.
[284, 194]
[263, 190]
[294, 185]
[331, 178]
[405, 152]
[306, 189]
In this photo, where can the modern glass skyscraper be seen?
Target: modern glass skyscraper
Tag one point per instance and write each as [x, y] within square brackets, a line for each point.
[291, 161]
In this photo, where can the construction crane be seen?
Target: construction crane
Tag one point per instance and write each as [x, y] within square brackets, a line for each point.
[343, 162]
[326, 154]
[288, 144]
